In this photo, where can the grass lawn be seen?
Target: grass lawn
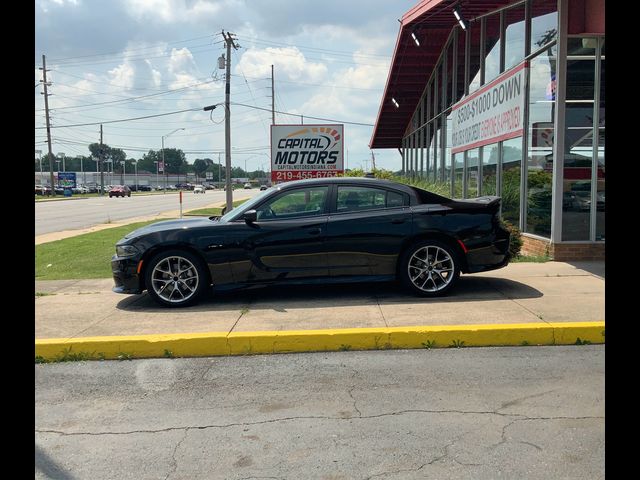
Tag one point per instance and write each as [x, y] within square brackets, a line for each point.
[85, 256]
[208, 212]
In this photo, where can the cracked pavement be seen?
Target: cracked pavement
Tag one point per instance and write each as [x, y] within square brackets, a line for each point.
[476, 413]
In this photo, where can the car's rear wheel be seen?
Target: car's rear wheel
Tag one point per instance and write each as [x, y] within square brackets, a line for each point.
[429, 268]
[176, 278]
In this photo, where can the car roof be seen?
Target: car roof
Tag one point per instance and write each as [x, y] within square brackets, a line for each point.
[362, 181]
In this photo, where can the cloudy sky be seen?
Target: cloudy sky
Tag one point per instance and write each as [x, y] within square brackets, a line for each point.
[122, 59]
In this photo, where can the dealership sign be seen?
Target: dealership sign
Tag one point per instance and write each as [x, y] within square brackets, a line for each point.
[306, 151]
[493, 113]
[67, 179]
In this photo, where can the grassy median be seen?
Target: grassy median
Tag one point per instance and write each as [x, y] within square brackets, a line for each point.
[213, 211]
[84, 256]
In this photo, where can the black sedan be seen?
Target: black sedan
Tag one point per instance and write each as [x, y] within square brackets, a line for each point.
[316, 231]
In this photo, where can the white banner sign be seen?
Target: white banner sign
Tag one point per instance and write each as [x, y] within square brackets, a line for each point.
[491, 114]
[306, 151]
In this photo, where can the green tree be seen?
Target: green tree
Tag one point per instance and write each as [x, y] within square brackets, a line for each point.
[200, 166]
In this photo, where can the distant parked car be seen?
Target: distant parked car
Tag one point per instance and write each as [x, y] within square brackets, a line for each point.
[119, 191]
[43, 190]
[199, 189]
[247, 185]
[263, 187]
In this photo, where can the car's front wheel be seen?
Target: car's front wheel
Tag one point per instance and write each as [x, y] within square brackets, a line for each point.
[429, 268]
[176, 278]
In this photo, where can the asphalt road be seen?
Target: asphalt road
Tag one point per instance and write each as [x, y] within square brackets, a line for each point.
[56, 216]
[474, 413]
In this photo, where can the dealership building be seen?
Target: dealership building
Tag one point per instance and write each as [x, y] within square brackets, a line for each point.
[506, 98]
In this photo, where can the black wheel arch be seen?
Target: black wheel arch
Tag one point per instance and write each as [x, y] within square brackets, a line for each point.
[153, 251]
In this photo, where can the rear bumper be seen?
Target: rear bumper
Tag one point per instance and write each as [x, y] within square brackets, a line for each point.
[125, 275]
[490, 257]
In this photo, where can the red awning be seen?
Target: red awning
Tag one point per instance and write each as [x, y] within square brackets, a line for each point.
[412, 65]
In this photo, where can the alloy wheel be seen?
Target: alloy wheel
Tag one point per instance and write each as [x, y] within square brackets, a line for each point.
[431, 268]
[175, 279]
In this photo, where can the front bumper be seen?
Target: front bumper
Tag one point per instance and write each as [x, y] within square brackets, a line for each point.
[125, 275]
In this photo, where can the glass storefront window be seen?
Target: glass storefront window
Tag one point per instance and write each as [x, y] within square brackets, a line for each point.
[544, 23]
[580, 79]
[473, 33]
[447, 153]
[431, 151]
[462, 38]
[542, 96]
[514, 36]
[583, 46]
[473, 157]
[436, 151]
[511, 167]
[492, 45]
[489, 168]
[600, 205]
[458, 159]
[449, 70]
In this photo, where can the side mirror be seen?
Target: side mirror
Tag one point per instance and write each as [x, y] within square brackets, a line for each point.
[250, 216]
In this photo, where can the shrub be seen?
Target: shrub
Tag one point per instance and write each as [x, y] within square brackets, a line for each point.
[515, 241]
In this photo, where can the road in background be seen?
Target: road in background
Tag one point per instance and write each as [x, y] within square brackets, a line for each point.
[472, 413]
[56, 216]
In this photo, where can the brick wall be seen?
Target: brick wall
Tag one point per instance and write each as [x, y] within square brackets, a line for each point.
[577, 251]
[562, 251]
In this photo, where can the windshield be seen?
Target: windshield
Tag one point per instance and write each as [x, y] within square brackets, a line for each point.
[248, 205]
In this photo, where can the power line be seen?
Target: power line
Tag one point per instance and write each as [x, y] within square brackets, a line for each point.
[130, 50]
[132, 99]
[306, 116]
[126, 119]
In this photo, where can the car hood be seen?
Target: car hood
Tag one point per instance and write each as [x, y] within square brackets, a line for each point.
[168, 225]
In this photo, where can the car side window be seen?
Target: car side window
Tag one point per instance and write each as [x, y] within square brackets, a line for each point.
[303, 202]
[367, 198]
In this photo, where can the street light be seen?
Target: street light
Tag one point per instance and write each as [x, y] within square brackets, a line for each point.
[157, 173]
[135, 166]
[163, 164]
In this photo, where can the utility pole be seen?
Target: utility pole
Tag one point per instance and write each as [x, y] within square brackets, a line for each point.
[219, 170]
[373, 161]
[46, 111]
[227, 119]
[273, 100]
[101, 166]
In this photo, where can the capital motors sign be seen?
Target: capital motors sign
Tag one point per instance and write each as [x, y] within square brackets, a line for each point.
[306, 151]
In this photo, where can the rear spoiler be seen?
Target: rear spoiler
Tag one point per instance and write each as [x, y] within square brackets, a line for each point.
[486, 201]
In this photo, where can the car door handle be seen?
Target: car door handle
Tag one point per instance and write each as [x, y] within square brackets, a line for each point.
[397, 220]
[314, 231]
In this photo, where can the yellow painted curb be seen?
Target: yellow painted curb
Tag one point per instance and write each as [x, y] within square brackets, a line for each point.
[245, 343]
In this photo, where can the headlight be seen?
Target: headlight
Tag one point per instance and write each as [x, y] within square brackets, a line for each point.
[126, 250]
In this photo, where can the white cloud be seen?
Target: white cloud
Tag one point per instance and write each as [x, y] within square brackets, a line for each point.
[123, 75]
[172, 10]
[288, 62]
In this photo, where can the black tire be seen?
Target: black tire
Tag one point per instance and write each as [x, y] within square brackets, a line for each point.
[129, 195]
[429, 268]
[190, 284]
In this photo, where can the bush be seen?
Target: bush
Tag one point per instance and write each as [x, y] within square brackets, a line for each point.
[515, 240]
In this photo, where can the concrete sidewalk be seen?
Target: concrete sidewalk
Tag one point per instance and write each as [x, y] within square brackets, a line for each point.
[539, 294]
